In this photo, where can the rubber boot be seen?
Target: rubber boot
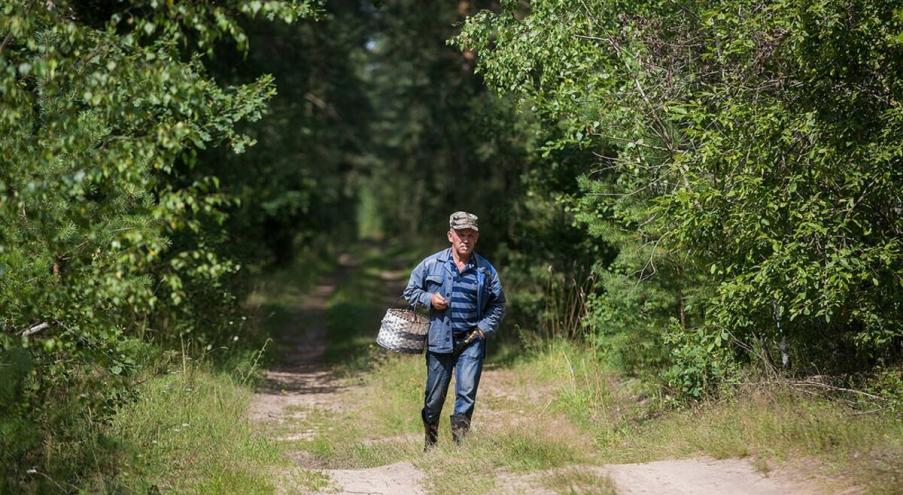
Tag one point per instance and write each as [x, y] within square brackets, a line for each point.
[460, 425]
[431, 435]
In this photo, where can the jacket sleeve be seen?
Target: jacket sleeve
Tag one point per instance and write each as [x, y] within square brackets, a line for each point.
[495, 309]
[414, 293]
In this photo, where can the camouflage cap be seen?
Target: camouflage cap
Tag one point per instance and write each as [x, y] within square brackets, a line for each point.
[462, 220]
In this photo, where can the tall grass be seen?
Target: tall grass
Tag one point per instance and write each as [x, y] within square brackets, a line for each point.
[189, 432]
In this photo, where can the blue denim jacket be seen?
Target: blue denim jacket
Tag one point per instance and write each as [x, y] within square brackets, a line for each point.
[434, 274]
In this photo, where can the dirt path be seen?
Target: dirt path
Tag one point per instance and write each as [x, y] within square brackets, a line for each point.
[302, 382]
[301, 378]
[704, 476]
[700, 476]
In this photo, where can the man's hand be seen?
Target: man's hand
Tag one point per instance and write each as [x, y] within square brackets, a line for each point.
[438, 302]
[473, 335]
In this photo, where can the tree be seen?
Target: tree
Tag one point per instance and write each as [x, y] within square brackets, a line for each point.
[110, 237]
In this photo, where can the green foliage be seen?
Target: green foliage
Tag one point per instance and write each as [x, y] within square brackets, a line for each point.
[297, 185]
[17, 431]
[746, 170]
[110, 236]
[702, 363]
[689, 185]
[439, 139]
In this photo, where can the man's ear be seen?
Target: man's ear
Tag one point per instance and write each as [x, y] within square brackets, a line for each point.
[449, 235]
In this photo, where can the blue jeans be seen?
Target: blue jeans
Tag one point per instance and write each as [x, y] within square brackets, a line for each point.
[468, 365]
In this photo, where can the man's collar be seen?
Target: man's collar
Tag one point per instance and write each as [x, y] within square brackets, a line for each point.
[447, 256]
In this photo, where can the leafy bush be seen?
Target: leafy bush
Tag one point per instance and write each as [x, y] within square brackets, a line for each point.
[745, 170]
[701, 361]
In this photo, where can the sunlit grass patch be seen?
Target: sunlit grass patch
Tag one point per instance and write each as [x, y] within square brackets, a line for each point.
[472, 466]
[457, 471]
[630, 422]
[383, 427]
[189, 433]
[578, 480]
[580, 387]
[538, 444]
[393, 395]
[346, 440]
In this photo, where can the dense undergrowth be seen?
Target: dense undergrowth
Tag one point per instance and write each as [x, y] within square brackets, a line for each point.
[118, 245]
[718, 194]
[181, 425]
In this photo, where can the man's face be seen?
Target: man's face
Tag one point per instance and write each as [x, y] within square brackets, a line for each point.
[463, 241]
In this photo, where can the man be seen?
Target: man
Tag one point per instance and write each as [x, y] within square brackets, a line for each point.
[466, 302]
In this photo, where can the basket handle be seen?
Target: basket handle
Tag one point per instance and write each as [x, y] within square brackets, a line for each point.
[405, 305]
[417, 308]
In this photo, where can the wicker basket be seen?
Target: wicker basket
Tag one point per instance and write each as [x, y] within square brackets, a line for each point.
[403, 330]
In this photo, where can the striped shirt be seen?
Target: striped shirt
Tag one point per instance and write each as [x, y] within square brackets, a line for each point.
[463, 304]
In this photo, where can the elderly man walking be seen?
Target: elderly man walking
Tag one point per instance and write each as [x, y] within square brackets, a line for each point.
[466, 301]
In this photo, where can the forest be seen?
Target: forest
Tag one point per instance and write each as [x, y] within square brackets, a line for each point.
[699, 195]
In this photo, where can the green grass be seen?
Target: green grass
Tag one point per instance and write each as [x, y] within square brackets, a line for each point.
[384, 427]
[356, 307]
[189, 433]
[576, 481]
[275, 304]
[775, 426]
[284, 286]
[188, 429]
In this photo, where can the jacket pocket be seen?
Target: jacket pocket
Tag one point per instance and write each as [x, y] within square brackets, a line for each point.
[433, 283]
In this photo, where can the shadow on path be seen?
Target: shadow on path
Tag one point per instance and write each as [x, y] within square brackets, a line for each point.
[300, 375]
